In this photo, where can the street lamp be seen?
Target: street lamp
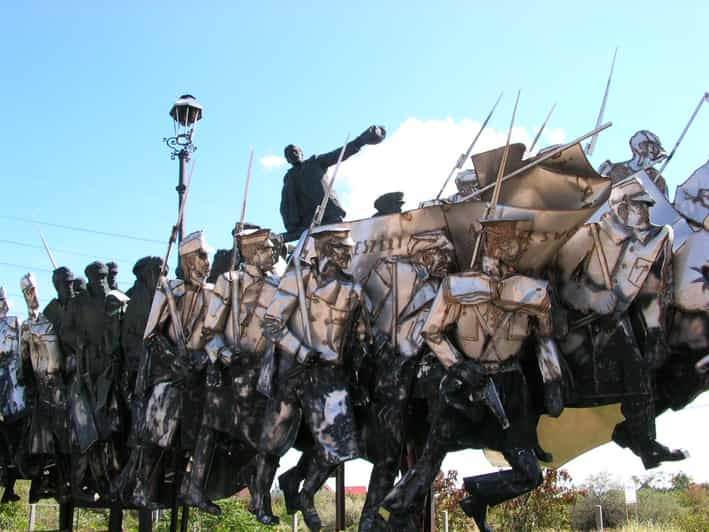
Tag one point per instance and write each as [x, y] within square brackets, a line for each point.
[185, 114]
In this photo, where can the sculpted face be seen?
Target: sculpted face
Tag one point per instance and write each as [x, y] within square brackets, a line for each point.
[261, 257]
[196, 266]
[341, 255]
[436, 261]
[64, 285]
[98, 283]
[4, 307]
[638, 215]
[31, 297]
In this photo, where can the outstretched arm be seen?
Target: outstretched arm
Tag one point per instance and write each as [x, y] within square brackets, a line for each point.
[443, 314]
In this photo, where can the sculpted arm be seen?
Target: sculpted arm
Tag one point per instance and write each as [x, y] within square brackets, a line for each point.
[218, 309]
[443, 314]
[278, 314]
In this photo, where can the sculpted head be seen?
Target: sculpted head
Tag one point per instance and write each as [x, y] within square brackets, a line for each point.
[630, 204]
[4, 305]
[257, 248]
[194, 256]
[333, 246]
[147, 271]
[112, 275]
[505, 241]
[97, 275]
[28, 284]
[293, 154]
[646, 147]
[433, 250]
[63, 281]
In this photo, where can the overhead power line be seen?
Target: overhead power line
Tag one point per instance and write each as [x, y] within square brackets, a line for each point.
[25, 267]
[82, 229]
[58, 250]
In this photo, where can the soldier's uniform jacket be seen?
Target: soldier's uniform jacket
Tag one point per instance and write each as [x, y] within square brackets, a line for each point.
[12, 392]
[320, 395]
[397, 281]
[331, 306]
[232, 401]
[491, 317]
[630, 256]
[256, 290]
[43, 357]
[168, 400]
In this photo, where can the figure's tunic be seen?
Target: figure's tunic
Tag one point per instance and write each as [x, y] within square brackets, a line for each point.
[49, 430]
[486, 319]
[176, 397]
[12, 393]
[631, 257]
[234, 402]
[397, 282]
[320, 391]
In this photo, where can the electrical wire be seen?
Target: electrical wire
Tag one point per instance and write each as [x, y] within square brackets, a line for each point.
[81, 229]
[58, 250]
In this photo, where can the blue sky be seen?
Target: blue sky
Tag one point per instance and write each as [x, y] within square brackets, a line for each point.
[87, 86]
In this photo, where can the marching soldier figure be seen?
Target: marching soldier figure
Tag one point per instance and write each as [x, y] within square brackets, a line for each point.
[63, 281]
[647, 151]
[311, 379]
[617, 274]
[49, 437]
[236, 351]
[12, 397]
[476, 327]
[175, 344]
[401, 290]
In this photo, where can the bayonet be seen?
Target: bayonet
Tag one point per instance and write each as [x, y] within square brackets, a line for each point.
[705, 98]
[539, 133]
[464, 156]
[591, 146]
[492, 206]
[46, 248]
[538, 160]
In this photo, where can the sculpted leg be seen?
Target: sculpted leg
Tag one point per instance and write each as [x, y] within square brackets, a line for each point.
[316, 475]
[191, 491]
[266, 466]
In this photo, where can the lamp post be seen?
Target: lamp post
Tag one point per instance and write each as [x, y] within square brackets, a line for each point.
[185, 113]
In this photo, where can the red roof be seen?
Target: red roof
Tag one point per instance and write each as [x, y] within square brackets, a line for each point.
[356, 490]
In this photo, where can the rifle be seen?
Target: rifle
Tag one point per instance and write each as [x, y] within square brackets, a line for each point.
[175, 320]
[46, 248]
[464, 156]
[705, 98]
[236, 258]
[298, 253]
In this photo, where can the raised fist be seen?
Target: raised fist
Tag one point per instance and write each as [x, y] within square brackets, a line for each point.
[603, 302]
[372, 135]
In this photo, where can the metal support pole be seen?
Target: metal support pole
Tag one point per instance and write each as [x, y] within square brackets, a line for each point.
[66, 517]
[445, 520]
[340, 497]
[599, 517]
[183, 156]
[145, 521]
[185, 518]
[295, 522]
[115, 519]
[429, 514]
[33, 509]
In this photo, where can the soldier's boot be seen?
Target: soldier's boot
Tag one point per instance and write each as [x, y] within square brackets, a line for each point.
[380, 483]
[80, 493]
[316, 476]
[495, 488]
[637, 432]
[9, 494]
[191, 490]
[148, 463]
[289, 482]
[553, 398]
[266, 466]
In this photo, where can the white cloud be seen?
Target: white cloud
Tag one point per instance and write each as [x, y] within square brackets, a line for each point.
[555, 135]
[272, 161]
[416, 159]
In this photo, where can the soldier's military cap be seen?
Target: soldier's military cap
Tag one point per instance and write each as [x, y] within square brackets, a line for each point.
[194, 242]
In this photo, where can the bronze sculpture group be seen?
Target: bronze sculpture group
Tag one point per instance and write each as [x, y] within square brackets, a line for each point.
[395, 339]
